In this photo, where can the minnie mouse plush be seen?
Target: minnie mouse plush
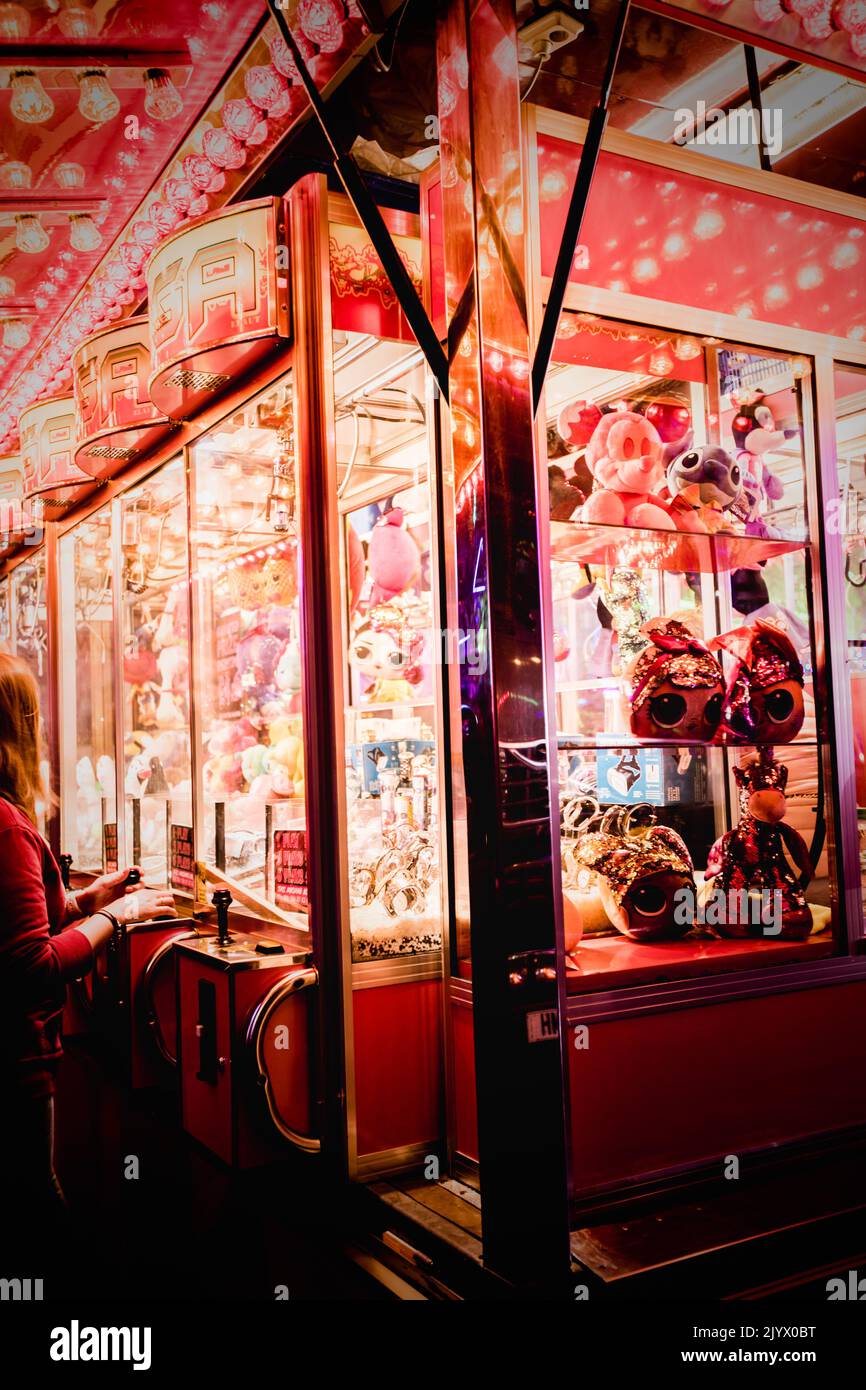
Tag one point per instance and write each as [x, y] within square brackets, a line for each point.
[755, 434]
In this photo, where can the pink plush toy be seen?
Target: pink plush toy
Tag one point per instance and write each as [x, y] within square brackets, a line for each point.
[393, 557]
[626, 458]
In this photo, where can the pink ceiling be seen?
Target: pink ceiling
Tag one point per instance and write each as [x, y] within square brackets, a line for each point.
[117, 168]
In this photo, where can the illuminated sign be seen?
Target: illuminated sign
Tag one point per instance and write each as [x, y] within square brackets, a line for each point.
[115, 417]
[47, 432]
[218, 300]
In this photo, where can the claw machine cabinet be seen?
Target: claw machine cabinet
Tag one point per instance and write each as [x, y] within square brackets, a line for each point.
[396, 759]
[29, 640]
[245, 997]
[698, 804]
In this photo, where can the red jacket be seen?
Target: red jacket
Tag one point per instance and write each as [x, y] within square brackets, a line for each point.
[37, 956]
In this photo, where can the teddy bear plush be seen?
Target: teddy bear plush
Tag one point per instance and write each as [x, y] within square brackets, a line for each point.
[627, 460]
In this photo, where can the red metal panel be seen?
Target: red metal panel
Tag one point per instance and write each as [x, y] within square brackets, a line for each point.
[465, 1113]
[206, 1108]
[697, 246]
[682, 1087]
[398, 1042]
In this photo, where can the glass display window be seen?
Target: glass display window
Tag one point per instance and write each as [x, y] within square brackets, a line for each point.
[850, 400]
[393, 738]
[5, 615]
[29, 640]
[249, 656]
[693, 809]
[156, 822]
[87, 673]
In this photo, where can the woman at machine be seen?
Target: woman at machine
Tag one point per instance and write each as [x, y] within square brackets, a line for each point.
[47, 938]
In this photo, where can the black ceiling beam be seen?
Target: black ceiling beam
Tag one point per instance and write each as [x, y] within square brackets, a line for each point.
[91, 53]
[383, 244]
[576, 210]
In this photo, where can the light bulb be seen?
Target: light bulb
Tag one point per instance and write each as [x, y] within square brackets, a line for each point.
[77, 22]
[15, 334]
[97, 102]
[14, 22]
[15, 175]
[30, 235]
[69, 175]
[30, 101]
[84, 235]
[162, 100]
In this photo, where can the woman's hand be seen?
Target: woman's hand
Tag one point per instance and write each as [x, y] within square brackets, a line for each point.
[100, 892]
[139, 904]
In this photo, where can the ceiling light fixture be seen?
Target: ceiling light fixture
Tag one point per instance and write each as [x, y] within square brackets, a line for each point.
[14, 22]
[97, 102]
[30, 101]
[15, 175]
[69, 175]
[30, 236]
[77, 22]
[84, 235]
[162, 100]
[16, 334]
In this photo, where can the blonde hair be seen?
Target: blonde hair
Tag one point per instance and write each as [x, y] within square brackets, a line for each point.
[20, 744]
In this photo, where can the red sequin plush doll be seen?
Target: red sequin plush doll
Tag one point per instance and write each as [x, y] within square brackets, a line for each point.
[677, 686]
[755, 890]
[764, 698]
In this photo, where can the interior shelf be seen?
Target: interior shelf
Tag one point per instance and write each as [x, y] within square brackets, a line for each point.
[679, 552]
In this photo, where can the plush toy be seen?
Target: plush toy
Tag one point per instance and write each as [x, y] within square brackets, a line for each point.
[626, 457]
[704, 482]
[287, 677]
[356, 566]
[564, 495]
[641, 880]
[387, 651]
[173, 663]
[173, 625]
[223, 774]
[139, 661]
[255, 766]
[393, 558]
[671, 417]
[227, 742]
[257, 656]
[286, 766]
[105, 774]
[755, 434]
[764, 698]
[754, 890]
[137, 774]
[677, 686]
[577, 422]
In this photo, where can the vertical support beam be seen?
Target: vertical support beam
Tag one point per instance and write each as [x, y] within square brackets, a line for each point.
[756, 98]
[319, 585]
[514, 878]
[52, 714]
[832, 673]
